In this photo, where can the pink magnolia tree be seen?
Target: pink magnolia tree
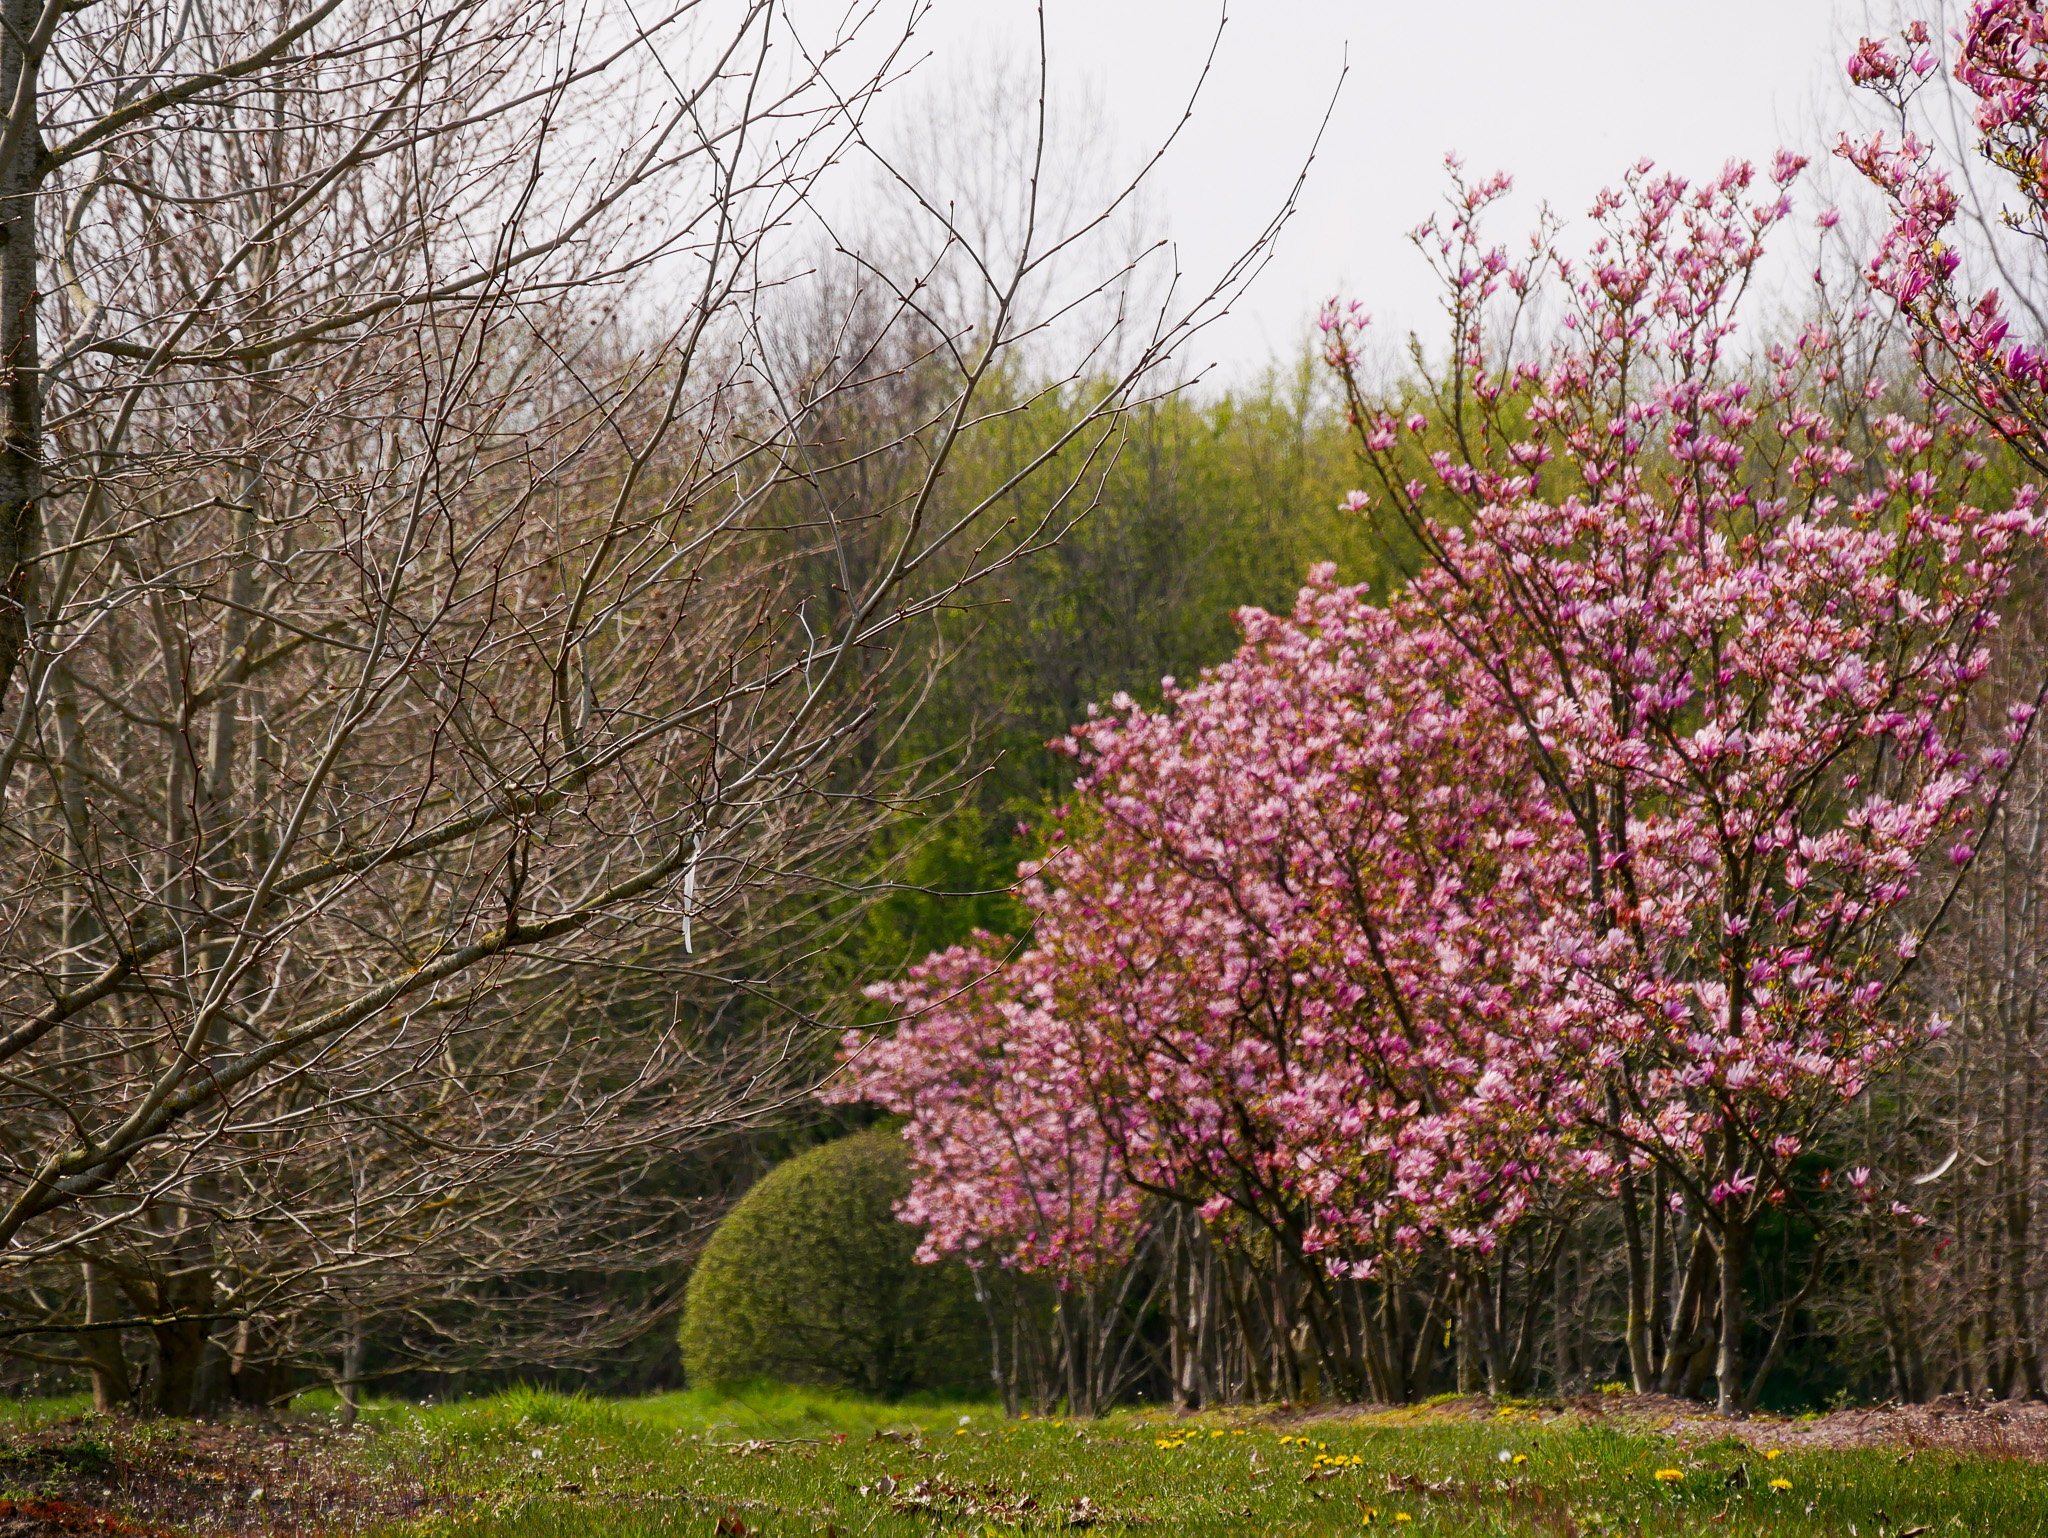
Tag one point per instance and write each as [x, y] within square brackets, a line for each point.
[1274, 977]
[1741, 658]
[1288, 895]
[1595, 857]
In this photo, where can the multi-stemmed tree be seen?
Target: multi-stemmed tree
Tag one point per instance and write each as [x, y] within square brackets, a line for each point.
[1266, 981]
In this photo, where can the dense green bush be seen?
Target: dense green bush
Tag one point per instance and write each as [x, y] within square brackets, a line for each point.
[810, 1279]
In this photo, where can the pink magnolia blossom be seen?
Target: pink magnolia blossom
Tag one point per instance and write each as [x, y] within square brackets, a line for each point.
[1965, 338]
[1011, 1164]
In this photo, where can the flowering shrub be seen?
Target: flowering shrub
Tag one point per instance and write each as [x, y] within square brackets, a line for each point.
[1585, 854]
[1268, 977]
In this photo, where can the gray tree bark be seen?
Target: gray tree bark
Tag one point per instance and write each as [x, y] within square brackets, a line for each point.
[23, 36]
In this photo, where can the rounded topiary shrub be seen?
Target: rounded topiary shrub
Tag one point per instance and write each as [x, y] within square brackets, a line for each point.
[811, 1279]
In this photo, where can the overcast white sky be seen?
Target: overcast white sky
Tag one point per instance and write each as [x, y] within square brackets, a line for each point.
[1563, 93]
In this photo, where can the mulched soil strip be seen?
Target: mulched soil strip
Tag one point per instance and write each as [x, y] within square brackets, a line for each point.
[220, 1479]
[1957, 1423]
[46, 1519]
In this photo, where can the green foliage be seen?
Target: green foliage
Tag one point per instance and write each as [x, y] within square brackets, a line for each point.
[1207, 506]
[811, 1279]
[949, 876]
[1202, 507]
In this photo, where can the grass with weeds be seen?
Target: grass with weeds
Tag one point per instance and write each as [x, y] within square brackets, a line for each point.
[778, 1461]
[19, 1415]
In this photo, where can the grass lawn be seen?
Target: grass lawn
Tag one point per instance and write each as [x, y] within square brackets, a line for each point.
[533, 1465]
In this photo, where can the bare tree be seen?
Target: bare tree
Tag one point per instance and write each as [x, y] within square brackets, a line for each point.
[463, 574]
[1946, 1290]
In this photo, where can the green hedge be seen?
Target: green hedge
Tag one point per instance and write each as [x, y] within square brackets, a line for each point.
[811, 1280]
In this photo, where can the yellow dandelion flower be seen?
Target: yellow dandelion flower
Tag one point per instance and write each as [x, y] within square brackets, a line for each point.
[1521, 1457]
[1781, 1484]
[1285, 1440]
[961, 1433]
[1322, 1446]
[1775, 1452]
[1215, 1433]
[1669, 1476]
[1402, 1516]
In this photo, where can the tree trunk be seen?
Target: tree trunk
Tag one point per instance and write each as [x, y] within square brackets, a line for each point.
[1469, 1380]
[1005, 1388]
[1735, 1240]
[1335, 1368]
[187, 1383]
[180, 1350]
[1641, 1370]
[1079, 1402]
[1637, 1328]
[351, 1382]
[21, 377]
[1307, 1363]
[1195, 1389]
[2019, 1215]
[1380, 1333]
[102, 1348]
[1424, 1357]
[1538, 1280]
[1254, 1359]
[1686, 1326]
[1699, 1366]
[1660, 1269]
[1563, 1316]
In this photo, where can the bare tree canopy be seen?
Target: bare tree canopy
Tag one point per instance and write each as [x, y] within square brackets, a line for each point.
[464, 568]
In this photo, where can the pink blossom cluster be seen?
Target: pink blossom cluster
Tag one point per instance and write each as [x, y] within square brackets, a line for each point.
[1741, 656]
[1012, 1165]
[1268, 974]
